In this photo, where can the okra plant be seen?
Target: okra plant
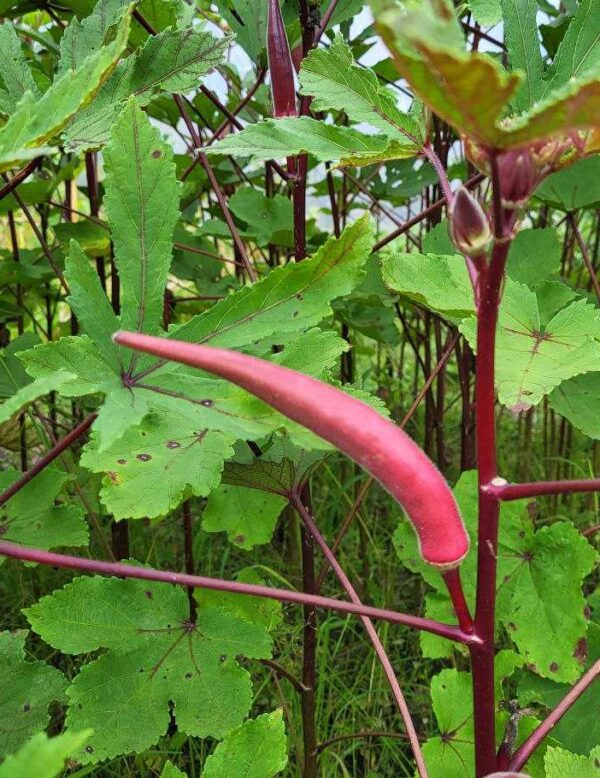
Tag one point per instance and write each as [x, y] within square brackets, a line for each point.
[300, 381]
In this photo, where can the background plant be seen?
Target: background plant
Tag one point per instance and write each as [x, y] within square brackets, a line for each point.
[156, 182]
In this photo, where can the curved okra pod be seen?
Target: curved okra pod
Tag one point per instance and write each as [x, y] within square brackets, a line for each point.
[372, 441]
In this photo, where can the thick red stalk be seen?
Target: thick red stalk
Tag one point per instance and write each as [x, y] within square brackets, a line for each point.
[482, 656]
[372, 441]
[371, 631]
[121, 570]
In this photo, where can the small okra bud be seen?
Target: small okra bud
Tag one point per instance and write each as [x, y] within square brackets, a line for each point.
[281, 66]
[518, 177]
[469, 226]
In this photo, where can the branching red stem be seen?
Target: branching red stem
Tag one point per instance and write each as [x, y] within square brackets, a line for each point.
[121, 570]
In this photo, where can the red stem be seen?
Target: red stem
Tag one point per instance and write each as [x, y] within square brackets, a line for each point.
[48, 458]
[482, 656]
[506, 492]
[121, 570]
[457, 595]
[19, 177]
[533, 741]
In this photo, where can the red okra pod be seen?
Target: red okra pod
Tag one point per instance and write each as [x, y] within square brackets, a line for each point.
[357, 430]
[281, 65]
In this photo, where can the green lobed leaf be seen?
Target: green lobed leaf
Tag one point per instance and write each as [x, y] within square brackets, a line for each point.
[277, 138]
[579, 50]
[27, 690]
[291, 298]
[172, 61]
[256, 749]
[452, 753]
[440, 282]
[75, 354]
[150, 467]
[154, 657]
[141, 202]
[336, 82]
[86, 37]
[42, 756]
[575, 187]
[579, 729]
[563, 764]
[578, 400]
[257, 610]
[531, 361]
[523, 44]
[534, 256]
[15, 76]
[267, 217]
[248, 516]
[90, 303]
[32, 518]
[33, 391]
[38, 119]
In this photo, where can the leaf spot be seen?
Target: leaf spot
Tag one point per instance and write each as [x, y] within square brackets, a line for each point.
[121, 461]
[207, 403]
[173, 444]
[143, 457]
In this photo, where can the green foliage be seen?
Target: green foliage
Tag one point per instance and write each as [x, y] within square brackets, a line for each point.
[248, 516]
[16, 78]
[172, 61]
[142, 212]
[276, 138]
[32, 517]
[184, 471]
[27, 691]
[429, 54]
[257, 749]
[36, 120]
[154, 655]
[579, 729]
[42, 756]
[335, 82]
[560, 763]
